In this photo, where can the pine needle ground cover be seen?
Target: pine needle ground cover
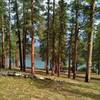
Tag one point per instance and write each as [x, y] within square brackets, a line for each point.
[13, 88]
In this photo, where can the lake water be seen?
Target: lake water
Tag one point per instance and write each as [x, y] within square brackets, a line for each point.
[38, 63]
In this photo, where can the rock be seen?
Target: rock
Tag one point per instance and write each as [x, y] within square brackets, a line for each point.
[11, 73]
[26, 76]
[18, 74]
[3, 73]
[40, 77]
[47, 78]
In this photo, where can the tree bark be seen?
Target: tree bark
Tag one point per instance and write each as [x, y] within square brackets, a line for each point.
[24, 38]
[53, 41]
[16, 58]
[3, 40]
[9, 35]
[90, 41]
[98, 66]
[69, 67]
[47, 45]
[76, 41]
[24, 48]
[32, 48]
[19, 37]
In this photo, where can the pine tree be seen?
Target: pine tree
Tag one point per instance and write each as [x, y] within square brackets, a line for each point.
[24, 35]
[96, 50]
[18, 32]
[62, 33]
[47, 41]
[9, 34]
[90, 39]
[2, 17]
[75, 39]
[32, 24]
[53, 39]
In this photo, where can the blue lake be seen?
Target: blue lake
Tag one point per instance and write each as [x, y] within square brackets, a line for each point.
[38, 63]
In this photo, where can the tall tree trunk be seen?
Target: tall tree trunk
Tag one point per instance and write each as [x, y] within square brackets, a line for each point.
[24, 38]
[53, 41]
[47, 45]
[19, 37]
[69, 67]
[98, 66]
[16, 58]
[59, 61]
[32, 48]
[90, 41]
[9, 35]
[76, 41]
[59, 44]
[24, 48]
[56, 65]
[70, 50]
[3, 39]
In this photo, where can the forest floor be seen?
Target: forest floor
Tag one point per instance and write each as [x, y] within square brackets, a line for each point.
[48, 88]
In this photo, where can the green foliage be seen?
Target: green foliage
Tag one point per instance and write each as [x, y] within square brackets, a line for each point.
[60, 30]
[97, 45]
[63, 27]
[88, 1]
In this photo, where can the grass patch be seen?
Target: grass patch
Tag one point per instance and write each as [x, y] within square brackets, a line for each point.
[13, 88]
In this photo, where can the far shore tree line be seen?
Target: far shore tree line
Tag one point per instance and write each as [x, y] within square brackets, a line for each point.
[67, 31]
